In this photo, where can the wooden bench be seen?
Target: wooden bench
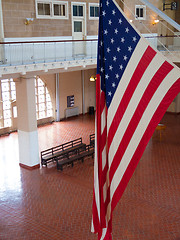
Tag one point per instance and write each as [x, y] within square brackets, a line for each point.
[92, 139]
[61, 151]
[88, 151]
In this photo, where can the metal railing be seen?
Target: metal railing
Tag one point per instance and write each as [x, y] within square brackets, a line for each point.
[23, 53]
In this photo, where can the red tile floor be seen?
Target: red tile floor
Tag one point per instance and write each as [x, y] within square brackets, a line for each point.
[47, 204]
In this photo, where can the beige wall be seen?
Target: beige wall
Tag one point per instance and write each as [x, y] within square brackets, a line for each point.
[16, 11]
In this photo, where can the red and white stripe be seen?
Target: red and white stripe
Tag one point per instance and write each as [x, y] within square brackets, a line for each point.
[148, 86]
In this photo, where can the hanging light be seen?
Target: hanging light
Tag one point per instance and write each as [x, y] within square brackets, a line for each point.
[92, 78]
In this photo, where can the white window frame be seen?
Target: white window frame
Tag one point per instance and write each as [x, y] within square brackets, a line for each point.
[144, 12]
[52, 16]
[93, 5]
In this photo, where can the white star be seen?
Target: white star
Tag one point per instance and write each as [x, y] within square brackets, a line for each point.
[122, 40]
[106, 32]
[111, 67]
[113, 12]
[129, 48]
[125, 58]
[127, 30]
[112, 40]
[120, 21]
[113, 85]
[107, 3]
[118, 49]
[114, 58]
[101, 43]
[104, 59]
[106, 76]
[104, 13]
[110, 22]
[121, 67]
[117, 75]
[115, 31]
[102, 69]
[109, 94]
[108, 50]
[134, 39]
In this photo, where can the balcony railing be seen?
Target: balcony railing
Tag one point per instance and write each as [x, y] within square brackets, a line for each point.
[23, 53]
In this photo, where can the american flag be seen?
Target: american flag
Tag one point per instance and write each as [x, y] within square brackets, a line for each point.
[135, 85]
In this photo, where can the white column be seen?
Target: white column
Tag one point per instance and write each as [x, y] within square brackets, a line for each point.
[27, 123]
[1, 34]
[83, 96]
[57, 99]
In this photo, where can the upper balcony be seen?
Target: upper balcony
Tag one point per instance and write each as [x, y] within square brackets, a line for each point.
[20, 58]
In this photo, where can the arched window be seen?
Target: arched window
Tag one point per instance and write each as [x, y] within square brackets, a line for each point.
[8, 95]
[43, 99]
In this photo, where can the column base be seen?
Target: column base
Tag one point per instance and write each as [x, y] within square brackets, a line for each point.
[28, 167]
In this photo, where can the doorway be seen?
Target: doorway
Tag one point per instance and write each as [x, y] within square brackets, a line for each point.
[79, 28]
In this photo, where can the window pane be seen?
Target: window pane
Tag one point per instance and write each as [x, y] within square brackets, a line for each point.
[47, 9]
[137, 12]
[91, 11]
[56, 10]
[141, 12]
[6, 105]
[42, 114]
[48, 97]
[41, 106]
[5, 96]
[49, 105]
[41, 98]
[13, 87]
[96, 11]
[80, 11]
[40, 82]
[40, 90]
[15, 111]
[74, 10]
[77, 26]
[5, 87]
[13, 95]
[7, 122]
[49, 113]
[7, 114]
[40, 9]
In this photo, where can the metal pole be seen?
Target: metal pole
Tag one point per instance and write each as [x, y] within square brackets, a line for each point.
[57, 98]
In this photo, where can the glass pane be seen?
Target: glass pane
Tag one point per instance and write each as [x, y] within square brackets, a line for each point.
[74, 10]
[80, 11]
[49, 113]
[13, 87]
[56, 10]
[47, 9]
[40, 82]
[141, 12]
[5, 96]
[40, 9]
[7, 122]
[15, 111]
[41, 106]
[7, 114]
[49, 105]
[41, 90]
[6, 105]
[42, 114]
[13, 95]
[48, 97]
[5, 87]
[91, 11]
[77, 26]
[41, 98]
[96, 11]
[137, 12]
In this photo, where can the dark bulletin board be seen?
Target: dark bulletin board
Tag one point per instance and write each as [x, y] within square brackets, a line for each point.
[70, 101]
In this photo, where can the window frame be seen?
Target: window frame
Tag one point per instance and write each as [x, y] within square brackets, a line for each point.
[52, 3]
[144, 12]
[93, 5]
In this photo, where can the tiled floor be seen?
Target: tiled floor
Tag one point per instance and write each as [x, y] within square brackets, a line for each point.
[47, 204]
